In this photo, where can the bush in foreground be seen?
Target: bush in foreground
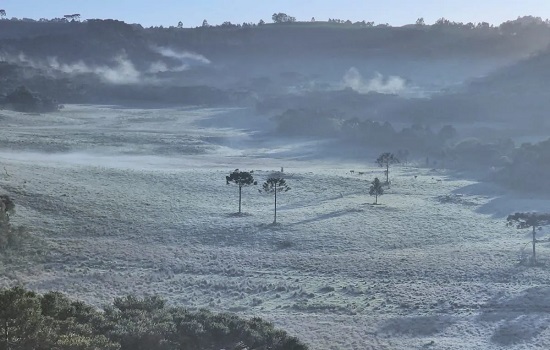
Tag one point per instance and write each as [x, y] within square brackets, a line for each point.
[52, 321]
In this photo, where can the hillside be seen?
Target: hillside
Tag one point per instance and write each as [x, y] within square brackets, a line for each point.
[98, 60]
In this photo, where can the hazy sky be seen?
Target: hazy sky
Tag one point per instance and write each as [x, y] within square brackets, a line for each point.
[192, 12]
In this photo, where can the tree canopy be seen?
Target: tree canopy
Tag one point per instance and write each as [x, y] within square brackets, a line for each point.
[282, 18]
[241, 179]
[376, 189]
[273, 185]
[52, 321]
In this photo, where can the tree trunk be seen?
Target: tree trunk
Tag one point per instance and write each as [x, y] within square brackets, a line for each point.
[387, 173]
[240, 187]
[275, 220]
[6, 335]
[376, 199]
[534, 241]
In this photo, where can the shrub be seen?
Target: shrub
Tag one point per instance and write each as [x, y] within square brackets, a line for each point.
[52, 321]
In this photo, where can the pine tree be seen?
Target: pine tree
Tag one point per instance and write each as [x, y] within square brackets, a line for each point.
[275, 185]
[529, 220]
[376, 189]
[385, 160]
[241, 179]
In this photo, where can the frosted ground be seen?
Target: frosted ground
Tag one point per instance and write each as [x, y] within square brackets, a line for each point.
[134, 201]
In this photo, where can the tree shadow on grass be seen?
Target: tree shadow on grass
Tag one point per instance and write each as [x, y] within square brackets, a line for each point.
[520, 319]
[327, 216]
[417, 326]
[238, 215]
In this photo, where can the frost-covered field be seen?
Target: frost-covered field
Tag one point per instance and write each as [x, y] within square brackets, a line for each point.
[135, 201]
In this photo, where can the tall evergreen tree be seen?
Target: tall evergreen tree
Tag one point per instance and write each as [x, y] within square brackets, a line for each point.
[241, 179]
[385, 160]
[529, 220]
[274, 185]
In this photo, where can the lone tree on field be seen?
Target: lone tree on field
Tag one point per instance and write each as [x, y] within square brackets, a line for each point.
[385, 160]
[376, 189]
[274, 185]
[7, 235]
[529, 220]
[241, 179]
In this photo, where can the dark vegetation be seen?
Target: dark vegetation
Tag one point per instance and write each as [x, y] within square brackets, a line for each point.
[526, 168]
[364, 132]
[23, 100]
[52, 321]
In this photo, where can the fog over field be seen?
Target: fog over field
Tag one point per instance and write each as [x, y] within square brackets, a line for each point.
[116, 155]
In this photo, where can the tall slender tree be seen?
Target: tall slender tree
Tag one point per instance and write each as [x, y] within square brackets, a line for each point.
[241, 179]
[385, 160]
[529, 220]
[274, 185]
[376, 189]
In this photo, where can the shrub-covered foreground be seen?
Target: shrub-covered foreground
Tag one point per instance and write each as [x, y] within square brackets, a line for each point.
[52, 321]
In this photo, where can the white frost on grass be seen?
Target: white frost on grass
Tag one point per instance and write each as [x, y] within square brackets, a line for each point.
[411, 273]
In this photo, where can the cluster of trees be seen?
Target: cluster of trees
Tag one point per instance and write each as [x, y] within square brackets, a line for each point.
[511, 26]
[384, 160]
[53, 321]
[277, 18]
[362, 23]
[277, 184]
[526, 166]
[73, 17]
[302, 122]
[272, 185]
[227, 24]
[417, 137]
[23, 100]
[282, 18]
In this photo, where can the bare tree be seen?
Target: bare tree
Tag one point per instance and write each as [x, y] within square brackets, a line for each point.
[241, 179]
[376, 189]
[529, 220]
[274, 185]
[385, 160]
